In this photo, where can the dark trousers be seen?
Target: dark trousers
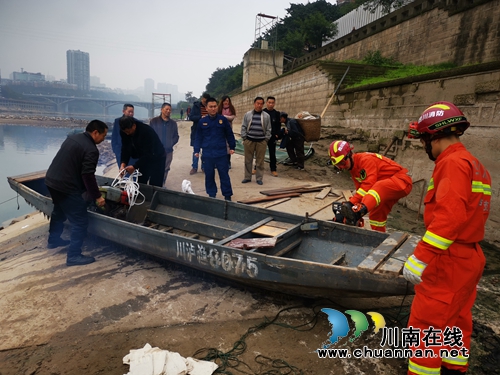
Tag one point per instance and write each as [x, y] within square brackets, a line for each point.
[74, 208]
[222, 166]
[271, 146]
[153, 172]
[295, 150]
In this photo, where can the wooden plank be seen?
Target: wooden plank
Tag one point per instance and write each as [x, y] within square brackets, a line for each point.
[394, 265]
[273, 228]
[204, 228]
[302, 190]
[165, 229]
[337, 192]
[268, 198]
[382, 252]
[347, 194]
[274, 203]
[325, 206]
[280, 191]
[244, 231]
[252, 243]
[281, 224]
[289, 248]
[269, 231]
[323, 193]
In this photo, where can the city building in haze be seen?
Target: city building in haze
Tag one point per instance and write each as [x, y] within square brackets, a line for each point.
[26, 76]
[78, 63]
[149, 88]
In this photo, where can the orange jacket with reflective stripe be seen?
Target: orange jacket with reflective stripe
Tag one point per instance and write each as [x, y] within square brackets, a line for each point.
[368, 169]
[457, 203]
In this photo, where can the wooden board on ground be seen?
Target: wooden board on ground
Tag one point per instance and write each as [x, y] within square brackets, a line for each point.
[251, 243]
[323, 193]
[395, 263]
[337, 192]
[308, 189]
[272, 229]
[324, 206]
[268, 198]
[274, 203]
[347, 194]
[279, 191]
[382, 252]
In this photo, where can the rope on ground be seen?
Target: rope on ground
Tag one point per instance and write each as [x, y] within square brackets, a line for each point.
[229, 360]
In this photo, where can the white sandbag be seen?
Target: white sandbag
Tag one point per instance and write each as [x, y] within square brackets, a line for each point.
[155, 361]
[197, 367]
[186, 187]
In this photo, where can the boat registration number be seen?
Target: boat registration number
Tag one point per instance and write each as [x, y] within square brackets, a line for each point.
[234, 263]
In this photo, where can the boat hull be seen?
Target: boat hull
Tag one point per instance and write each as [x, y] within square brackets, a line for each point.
[329, 260]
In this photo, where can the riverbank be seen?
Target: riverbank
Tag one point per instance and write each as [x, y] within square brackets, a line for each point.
[58, 320]
[43, 121]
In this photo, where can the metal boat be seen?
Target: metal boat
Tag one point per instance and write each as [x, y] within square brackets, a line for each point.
[253, 246]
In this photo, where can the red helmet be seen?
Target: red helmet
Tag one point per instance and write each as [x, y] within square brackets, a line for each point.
[438, 117]
[339, 150]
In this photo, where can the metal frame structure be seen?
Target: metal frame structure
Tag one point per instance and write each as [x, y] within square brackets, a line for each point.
[155, 97]
[263, 24]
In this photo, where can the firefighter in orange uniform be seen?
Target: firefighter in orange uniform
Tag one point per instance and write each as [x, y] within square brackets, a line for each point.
[448, 262]
[380, 182]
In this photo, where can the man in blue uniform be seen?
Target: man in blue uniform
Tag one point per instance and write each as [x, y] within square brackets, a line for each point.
[212, 133]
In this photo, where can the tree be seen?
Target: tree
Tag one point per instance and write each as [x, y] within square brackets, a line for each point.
[305, 27]
[190, 98]
[225, 80]
[386, 5]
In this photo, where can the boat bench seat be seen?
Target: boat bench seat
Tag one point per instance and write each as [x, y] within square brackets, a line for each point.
[381, 255]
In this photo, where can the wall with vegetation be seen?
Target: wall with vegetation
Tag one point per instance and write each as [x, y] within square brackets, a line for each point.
[373, 116]
[424, 32]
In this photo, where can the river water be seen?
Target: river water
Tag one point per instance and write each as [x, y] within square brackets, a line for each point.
[24, 149]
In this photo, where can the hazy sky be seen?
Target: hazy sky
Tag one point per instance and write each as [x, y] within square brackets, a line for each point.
[172, 41]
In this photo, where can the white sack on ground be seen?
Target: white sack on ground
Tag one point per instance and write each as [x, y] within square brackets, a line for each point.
[155, 361]
[186, 187]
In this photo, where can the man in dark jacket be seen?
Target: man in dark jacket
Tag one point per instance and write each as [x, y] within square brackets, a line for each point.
[275, 132]
[197, 112]
[70, 175]
[168, 133]
[116, 139]
[295, 143]
[141, 142]
[212, 134]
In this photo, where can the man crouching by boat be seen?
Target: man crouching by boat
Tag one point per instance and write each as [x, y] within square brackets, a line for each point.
[140, 141]
[71, 175]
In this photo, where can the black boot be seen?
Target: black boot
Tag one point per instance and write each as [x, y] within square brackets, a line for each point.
[79, 260]
[447, 371]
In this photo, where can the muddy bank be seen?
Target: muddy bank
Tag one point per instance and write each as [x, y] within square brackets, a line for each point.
[58, 320]
[43, 121]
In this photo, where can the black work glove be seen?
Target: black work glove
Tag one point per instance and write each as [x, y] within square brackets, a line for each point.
[353, 213]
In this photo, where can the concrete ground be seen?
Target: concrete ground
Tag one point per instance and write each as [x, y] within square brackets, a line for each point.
[56, 319]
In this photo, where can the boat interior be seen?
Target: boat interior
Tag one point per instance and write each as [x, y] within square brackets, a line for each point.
[258, 230]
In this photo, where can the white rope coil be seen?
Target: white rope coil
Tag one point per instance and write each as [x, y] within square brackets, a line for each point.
[130, 185]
